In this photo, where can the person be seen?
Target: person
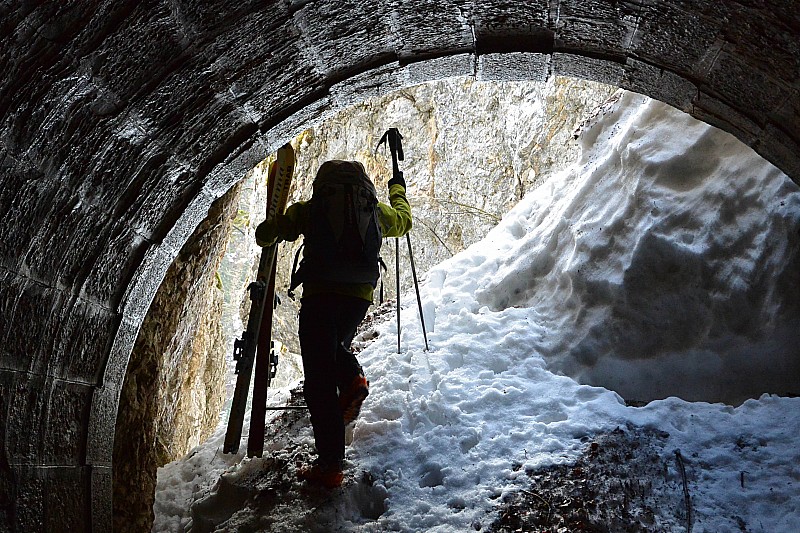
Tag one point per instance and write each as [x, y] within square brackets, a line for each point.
[337, 292]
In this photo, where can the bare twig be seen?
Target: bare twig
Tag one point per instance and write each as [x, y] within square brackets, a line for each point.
[438, 238]
[474, 209]
[546, 502]
[686, 498]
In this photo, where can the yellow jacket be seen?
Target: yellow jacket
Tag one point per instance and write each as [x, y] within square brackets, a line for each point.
[394, 219]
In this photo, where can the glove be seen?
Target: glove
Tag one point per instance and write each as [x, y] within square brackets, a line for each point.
[266, 234]
[399, 180]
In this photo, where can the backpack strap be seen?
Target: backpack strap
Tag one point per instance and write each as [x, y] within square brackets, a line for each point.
[294, 280]
[382, 265]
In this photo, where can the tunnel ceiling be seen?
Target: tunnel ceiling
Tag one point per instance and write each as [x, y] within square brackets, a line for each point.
[120, 122]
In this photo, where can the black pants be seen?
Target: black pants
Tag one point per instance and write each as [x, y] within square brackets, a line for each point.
[328, 323]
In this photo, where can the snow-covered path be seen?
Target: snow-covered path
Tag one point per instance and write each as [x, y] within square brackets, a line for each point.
[663, 264]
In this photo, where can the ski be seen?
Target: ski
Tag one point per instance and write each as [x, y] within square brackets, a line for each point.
[260, 319]
[263, 375]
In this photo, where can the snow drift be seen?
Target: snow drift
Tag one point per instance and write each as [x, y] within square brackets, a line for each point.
[665, 263]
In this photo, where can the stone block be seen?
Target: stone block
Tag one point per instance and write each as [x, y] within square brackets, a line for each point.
[101, 503]
[366, 85]
[236, 167]
[587, 68]
[35, 118]
[201, 18]
[28, 400]
[51, 360]
[64, 441]
[85, 336]
[677, 39]
[64, 261]
[102, 424]
[337, 46]
[421, 28]
[506, 18]
[749, 90]
[285, 93]
[30, 502]
[63, 322]
[590, 26]
[109, 273]
[26, 202]
[29, 338]
[514, 66]
[659, 84]
[517, 27]
[146, 46]
[119, 355]
[269, 87]
[204, 142]
[145, 281]
[194, 214]
[217, 130]
[291, 126]
[226, 176]
[241, 59]
[118, 152]
[155, 186]
[160, 208]
[787, 115]
[80, 161]
[783, 132]
[67, 499]
[52, 499]
[11, 288]
[140, 169]
[765, 36]
[440, 68]
[711, 111]
[177, 114]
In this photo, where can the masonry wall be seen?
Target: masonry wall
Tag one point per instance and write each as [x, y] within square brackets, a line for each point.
[121, 122]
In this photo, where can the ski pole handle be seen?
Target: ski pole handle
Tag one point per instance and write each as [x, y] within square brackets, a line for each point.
[395, 141]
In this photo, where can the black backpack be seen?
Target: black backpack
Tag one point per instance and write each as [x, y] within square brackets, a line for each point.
[343, 237]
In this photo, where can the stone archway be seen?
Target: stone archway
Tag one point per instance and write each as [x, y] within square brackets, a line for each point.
[123, 121]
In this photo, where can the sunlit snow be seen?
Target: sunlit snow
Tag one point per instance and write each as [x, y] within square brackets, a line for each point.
[663, 266]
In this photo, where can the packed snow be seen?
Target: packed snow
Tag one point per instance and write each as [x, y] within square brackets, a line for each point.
[648, 296]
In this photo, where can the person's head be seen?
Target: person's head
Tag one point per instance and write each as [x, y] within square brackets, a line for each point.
[336, 166]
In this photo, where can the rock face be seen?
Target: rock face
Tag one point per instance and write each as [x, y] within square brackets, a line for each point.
[121, 122]
[174, 388]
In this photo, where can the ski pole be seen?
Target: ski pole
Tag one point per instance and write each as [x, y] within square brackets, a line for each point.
[397, 277]
[394, 138]
[416, 288]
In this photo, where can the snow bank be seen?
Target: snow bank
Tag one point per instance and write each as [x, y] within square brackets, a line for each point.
[664, 263]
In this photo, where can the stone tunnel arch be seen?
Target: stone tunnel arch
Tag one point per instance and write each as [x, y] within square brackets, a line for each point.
[122, 122]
